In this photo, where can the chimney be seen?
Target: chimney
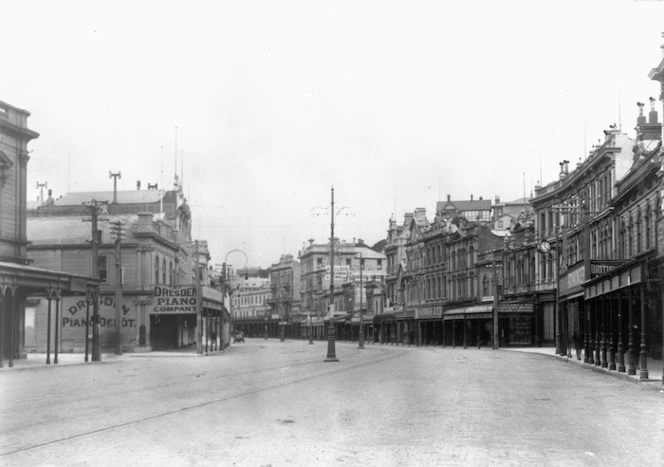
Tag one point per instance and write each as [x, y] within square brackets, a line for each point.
[448, 198]
[471, 196]
[480, 198]
[497, 199]
[566, 167]
[652, 130]
[138, 185]
[652, 116]
[311, 241]
[420, 214]
[562, 170]
[641, 119]
[407, 217]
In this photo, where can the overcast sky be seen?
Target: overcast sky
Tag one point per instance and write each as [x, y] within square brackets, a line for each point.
[395, 104]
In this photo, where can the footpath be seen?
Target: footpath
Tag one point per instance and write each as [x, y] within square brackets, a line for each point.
[38, 360]
[655, 367]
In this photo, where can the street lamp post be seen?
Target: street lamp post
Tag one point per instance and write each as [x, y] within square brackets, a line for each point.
[331, 352]
[224, 288]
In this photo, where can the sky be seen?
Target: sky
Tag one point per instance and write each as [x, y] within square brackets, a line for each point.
[263, 106]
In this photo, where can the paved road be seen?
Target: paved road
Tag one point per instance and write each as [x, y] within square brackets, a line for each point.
[272, 403]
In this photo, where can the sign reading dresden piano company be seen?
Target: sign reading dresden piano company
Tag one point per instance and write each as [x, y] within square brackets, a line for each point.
[174, 300]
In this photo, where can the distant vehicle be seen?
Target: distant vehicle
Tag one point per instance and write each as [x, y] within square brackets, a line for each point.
[239, 337]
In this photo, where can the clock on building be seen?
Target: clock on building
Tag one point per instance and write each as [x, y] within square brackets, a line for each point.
[544, 246]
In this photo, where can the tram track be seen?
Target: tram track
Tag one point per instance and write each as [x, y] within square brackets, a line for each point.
[320, 372]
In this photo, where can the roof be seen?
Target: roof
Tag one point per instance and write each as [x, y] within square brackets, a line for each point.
[71, 229]
[468, 205]
[368, 253]
[123, 197]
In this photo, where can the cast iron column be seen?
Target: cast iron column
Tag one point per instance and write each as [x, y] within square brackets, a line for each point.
[643, 360]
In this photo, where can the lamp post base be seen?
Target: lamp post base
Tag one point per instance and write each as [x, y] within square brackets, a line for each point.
[331, 352]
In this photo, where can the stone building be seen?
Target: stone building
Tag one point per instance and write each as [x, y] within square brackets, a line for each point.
[19, 279]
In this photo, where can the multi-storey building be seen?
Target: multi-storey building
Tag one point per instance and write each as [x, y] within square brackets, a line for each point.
[392, 324]
[521, 321]
[161, 265]
[467, 320]
[351, 261]
[570, 215]
[250, 308]
[19, 280]
[621, 328]
[285, 297]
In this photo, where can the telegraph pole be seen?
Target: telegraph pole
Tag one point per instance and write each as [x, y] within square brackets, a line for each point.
[41, 187]
[199, 301]
[115, 177]
[360, 338]
[117, 230]
[496, 330]
[95, 207]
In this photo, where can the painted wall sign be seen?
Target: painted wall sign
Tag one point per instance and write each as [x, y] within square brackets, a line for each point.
[174, 300]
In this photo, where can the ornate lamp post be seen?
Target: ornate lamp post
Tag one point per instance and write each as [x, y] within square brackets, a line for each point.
[223, 286]
[331, 352]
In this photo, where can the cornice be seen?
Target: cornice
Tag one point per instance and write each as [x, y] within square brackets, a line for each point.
[18, 130]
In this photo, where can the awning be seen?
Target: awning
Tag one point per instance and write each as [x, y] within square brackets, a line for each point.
[471, 312]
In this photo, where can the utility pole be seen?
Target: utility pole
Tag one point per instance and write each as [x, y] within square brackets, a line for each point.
[199, 301]
[41, 187]
[95, 208]
[360, 338]
[496, 330]
[115, 177]
[116, 227]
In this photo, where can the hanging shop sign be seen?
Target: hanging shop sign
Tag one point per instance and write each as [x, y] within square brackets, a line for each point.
[175, 300]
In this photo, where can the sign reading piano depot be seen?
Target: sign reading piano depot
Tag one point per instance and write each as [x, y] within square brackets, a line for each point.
[174, 300]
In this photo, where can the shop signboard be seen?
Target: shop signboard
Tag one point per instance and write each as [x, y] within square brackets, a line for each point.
[174, 300]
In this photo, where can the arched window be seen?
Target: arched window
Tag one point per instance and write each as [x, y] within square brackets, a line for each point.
[163, 270]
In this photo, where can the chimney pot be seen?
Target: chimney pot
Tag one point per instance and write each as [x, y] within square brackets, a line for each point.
[471, 196]
[138, 185]
[448, 198]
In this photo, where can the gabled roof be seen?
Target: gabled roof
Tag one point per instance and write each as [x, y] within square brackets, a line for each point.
[123, 197]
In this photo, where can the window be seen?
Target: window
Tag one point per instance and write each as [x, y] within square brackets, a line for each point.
[102, 268]
[379, 264]
[348, 261]
[163, 271]
[648, 227]
[156, 269]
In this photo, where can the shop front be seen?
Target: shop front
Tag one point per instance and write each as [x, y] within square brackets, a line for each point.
[428, 319]
[468, 326]
[623, 319]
